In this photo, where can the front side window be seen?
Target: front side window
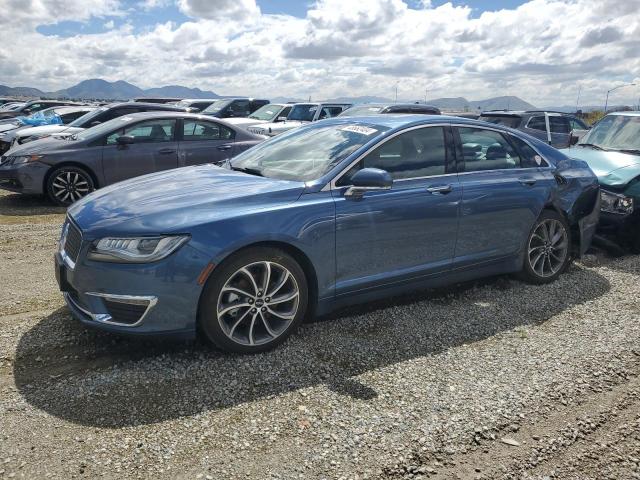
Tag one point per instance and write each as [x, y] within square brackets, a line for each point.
[150, 131]
[195, 130]
[577, 124]
[303, 113]
[414, 154]
[486, 150]
[528, 156]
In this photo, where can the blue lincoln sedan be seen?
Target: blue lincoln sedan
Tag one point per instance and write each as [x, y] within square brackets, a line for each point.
[338, 212]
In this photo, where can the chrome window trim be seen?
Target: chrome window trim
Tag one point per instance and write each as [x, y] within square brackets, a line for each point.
[332, 184]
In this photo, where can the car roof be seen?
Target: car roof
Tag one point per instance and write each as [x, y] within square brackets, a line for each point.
[398, 121]
[157, 106]
[198, 99]
[627, 114]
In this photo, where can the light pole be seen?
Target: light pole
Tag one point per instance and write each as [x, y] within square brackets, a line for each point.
[397, 83]
[606, 102]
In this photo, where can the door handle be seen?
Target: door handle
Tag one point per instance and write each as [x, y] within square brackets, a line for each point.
[441, 189]
[222, 148]
[166, 151]
[529, 181]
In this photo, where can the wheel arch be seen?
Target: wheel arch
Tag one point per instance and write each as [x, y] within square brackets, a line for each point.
[574, 228]
[298, 255]
[54, 167]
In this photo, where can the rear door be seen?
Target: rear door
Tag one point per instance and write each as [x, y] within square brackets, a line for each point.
[155, 149]
[204, 141]
[504, 190]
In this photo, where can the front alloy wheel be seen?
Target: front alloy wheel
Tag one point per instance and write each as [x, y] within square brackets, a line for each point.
[260, 297]
[548, 249]
[67, 185]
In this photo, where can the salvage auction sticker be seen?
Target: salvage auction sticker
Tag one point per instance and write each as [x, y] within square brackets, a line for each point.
[359, 129]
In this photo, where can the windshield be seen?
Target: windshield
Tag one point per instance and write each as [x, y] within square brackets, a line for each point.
[307, 153]
[506, 120]
[268, 112]
[615, 132]
[101, 129]
[86, 119]
[216, 106]
[361, 110]
[303, 113]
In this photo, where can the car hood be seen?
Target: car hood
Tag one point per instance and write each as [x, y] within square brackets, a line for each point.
[48, 144]
[48, 130]
[612, 168]
[9, 126]
[244, 121]
[176, 200]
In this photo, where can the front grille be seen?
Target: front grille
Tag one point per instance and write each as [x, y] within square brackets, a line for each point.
[125, 313]
[73, 242]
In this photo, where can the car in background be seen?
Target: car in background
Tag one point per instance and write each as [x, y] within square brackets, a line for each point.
[195, 104]
[612, 149]
[91, 119]
[10, 106]
[156, 99]
[32, 107]
[343, 211]
[58, 116]
[562, 126]
[301, 114]
[273, 112]
[5, 100]
[68, 168]
[391, 108]
[234, 107]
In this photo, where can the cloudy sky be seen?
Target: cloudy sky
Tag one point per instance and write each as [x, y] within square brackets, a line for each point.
[543, 51]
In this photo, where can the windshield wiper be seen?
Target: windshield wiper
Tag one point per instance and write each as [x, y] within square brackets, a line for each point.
[632, 151]
[592, 145]
[250, 171]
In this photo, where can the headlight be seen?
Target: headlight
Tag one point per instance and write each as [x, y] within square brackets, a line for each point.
[615, 203]
[21, 159]
[135, 250]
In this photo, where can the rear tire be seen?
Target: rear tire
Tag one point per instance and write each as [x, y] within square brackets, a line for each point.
[548, 249]
[68, 184]
[253, 301]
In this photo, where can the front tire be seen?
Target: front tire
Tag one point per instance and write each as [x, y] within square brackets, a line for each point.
[68, 184]
[253, 301]
[548, 249]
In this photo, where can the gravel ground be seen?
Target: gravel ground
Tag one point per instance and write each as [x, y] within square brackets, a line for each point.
[495, 379]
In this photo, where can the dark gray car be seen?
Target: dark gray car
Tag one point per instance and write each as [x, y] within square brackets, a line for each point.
[68, 168]
[562, 126]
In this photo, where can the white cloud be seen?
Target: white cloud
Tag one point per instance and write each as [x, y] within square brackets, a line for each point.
[109, 25]
[542, 51]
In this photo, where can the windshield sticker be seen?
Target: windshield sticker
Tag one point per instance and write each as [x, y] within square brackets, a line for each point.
[359, 129]
[312, 109]
[538, 159]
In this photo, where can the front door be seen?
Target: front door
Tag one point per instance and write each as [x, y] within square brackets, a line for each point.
[154, 149]
[204, 141]
[407, 232]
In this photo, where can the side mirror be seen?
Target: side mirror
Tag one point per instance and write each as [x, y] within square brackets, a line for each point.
[573, 140]
[125, 140]
[281, 119]
[369, 179]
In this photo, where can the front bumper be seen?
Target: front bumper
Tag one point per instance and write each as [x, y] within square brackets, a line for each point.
[25, 178]
[158, 298]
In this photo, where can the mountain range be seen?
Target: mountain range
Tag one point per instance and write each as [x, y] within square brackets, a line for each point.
[98, 89]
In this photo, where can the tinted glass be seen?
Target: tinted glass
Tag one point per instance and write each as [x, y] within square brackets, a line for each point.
[217, 106]
[418, 153]
[195, 130]
[303, 113]
[150, 131]
[305, 154]
[537, 123]
[240, 108]
[328, 112]
[559, 124]
[508, 121]
[87, 118]
[577, 124]
[529, 157]
[486, 150]
[70, 117]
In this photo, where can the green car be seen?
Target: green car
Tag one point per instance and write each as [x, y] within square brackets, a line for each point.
[612, 150]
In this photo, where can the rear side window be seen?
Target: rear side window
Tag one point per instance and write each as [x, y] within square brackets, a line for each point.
[240, 108]
[529, 157]
[487, 150]
[537, 123]
[328, 112]
[556, 124]
[197, 130]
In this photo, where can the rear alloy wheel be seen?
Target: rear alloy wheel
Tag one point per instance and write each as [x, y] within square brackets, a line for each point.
[67, 185]
[254, 301]
[548, 249]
